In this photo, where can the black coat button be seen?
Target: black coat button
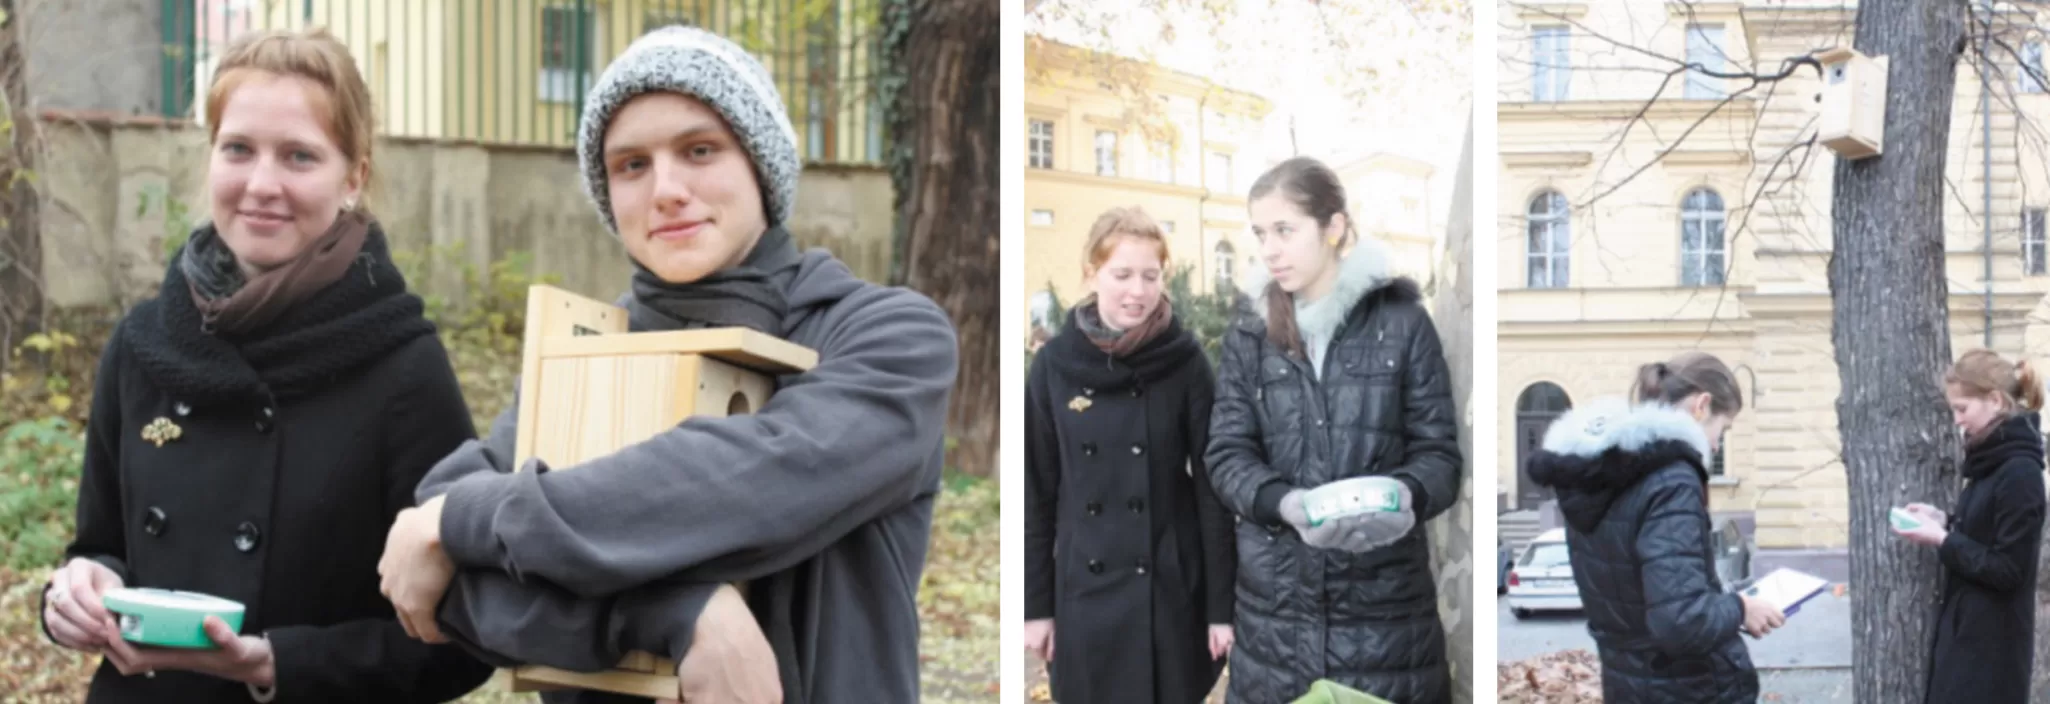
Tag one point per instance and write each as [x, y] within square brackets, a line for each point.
[182, 409]
[1094, 508]
[269, 412]
[1136, 505]
[154, 521]
[1135, 392]
[1086, 391]
[247, 536]
[1142, 567]
[263, 426]
[1137, 450]
[1089, 449]
[1096, 567]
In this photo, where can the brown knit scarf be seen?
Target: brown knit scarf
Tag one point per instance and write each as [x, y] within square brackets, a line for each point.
[229, 304]
[1119, 343]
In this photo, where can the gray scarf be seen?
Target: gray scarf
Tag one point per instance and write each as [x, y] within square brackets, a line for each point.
[749, 295]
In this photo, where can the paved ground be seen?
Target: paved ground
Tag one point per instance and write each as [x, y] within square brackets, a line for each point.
[1806, 662]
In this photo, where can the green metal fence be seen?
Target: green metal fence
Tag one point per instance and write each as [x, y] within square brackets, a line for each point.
[517, 71]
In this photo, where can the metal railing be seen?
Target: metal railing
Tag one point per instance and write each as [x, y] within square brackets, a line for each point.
[517, 71]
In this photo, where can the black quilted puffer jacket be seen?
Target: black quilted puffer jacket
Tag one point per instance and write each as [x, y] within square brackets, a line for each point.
[1382, 407]
[1632, 487]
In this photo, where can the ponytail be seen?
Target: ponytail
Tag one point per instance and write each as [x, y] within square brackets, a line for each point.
[2030, 387]
[1687, 374]
[1983, 372]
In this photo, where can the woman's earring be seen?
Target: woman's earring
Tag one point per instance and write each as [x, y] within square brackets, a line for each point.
[1334, 241]
[348, 205]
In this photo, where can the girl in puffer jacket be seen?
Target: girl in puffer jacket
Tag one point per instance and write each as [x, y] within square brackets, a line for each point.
[1632, 482]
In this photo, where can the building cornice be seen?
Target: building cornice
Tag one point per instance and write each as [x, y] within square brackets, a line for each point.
[1549, 12]
[1526, 111]
[1547, 159]
[1095, 181]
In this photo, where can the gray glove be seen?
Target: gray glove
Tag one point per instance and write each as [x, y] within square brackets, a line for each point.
[1358, 533]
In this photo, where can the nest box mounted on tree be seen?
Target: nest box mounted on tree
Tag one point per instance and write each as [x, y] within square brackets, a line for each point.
[597, 388]
[1853, 120]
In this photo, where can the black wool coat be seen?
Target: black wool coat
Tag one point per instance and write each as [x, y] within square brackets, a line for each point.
[1985, 626]
[297, 445]
[1127, 548]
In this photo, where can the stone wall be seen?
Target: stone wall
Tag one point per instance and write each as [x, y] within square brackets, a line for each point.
[116, 188]
[1451, 533]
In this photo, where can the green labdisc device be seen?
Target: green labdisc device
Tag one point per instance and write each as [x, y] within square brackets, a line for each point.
[1352, 497]
[168, 618]
[1902, 520]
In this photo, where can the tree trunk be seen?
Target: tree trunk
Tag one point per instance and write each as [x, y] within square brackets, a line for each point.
[945, 124]
[1892, 338]
[21, 243]
[1452, 532]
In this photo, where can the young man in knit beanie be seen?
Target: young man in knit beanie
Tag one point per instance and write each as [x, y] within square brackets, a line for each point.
[821, 501]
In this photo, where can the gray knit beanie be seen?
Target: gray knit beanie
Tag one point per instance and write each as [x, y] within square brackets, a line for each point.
[718, 72]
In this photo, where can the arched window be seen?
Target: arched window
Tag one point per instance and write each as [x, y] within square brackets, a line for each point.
[1703, 256]
[1549, 242]
[1543, 398]
[1536, 408]
[1223, 253]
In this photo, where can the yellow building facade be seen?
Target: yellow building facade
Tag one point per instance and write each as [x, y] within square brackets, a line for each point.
[1621, 244]
[1187, 163]
[516, 71]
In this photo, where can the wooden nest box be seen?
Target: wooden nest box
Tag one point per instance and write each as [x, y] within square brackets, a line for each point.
[1853, 120]
[597, 388]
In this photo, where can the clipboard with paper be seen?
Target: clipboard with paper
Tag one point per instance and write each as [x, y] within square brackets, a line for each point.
[1786, 589]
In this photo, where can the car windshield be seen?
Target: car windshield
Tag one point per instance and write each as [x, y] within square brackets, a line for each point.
[1546, 555]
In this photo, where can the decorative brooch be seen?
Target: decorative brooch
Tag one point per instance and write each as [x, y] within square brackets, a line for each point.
[1080, 404]
[161, 431]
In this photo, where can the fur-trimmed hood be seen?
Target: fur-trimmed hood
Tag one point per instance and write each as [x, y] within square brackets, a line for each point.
[1362, 272]
[1592, 453]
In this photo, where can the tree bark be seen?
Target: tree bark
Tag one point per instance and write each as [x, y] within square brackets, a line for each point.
[21, 250]
[1892, 338]
[946, 118]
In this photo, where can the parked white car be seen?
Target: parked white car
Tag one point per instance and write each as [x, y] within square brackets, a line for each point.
[1542, 579]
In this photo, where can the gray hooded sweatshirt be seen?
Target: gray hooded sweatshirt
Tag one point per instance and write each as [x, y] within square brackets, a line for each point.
[822, 501]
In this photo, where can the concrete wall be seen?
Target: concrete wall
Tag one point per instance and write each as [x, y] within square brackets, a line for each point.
[449, 206]
[102, 55]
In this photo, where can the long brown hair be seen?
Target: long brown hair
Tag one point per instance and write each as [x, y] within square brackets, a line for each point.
[1984, 373]
[1314, 188]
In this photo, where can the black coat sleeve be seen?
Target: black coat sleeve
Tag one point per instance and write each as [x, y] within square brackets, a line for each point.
[1220, 553]
[373, 659]
[100, 534]
[2002, 565]
[1236, 457]
[1042, 492]
[1430, 423]
[1684, 613]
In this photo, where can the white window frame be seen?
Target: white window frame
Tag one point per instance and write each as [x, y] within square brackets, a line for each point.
[1106, 153]
[1705, 47]
[1039, 146]
[1708, 215]
[1551, 70]
[1557, 252]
